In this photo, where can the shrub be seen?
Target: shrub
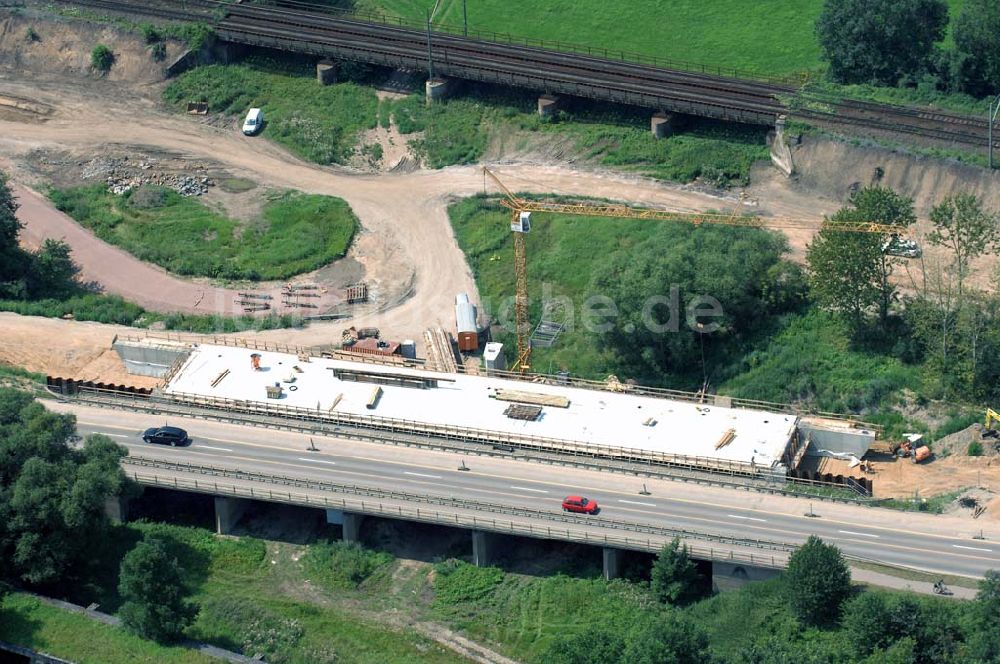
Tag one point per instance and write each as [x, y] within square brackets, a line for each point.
[975, 448]
[158, 51]
[258, 630]
[30, 35]
[101, 59]
[343, 564]
[458, 582]
[150, 33]
[149, 196]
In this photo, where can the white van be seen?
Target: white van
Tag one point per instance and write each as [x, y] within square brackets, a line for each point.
[254, 122]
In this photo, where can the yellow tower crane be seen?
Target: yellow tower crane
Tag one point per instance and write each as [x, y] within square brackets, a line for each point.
[520, 225]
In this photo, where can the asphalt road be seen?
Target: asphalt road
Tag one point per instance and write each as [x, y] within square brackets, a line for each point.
[946, 545]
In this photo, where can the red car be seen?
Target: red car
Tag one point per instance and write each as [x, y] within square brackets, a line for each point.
[579, 504]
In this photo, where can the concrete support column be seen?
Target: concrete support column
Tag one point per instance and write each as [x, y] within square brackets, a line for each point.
[116, 508]
[548, 105]
[437, 89]
[781, 153]
[352, 526]
[228, 512]
[326, 72]
[661, 124]
[612, 563]
[482, 549]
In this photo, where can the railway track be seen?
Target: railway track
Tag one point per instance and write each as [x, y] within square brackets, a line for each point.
[291, 26]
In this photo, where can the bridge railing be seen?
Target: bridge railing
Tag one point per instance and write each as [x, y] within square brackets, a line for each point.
[447, 511]
[765, 482]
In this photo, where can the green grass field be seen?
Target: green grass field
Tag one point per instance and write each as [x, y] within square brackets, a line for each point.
[296, 232]
[318, 123]
[27, 622]
[768, 36]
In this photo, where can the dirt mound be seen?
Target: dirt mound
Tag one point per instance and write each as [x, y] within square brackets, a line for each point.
[958, 442]
[832, 170]
[64, 46]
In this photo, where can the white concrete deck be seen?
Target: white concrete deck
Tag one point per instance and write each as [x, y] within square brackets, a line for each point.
[593, 416]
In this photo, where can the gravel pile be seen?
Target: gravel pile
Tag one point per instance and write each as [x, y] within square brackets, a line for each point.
[123, 175]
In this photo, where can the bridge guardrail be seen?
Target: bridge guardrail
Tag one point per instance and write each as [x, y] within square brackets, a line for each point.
[713, 477]
[377, 507]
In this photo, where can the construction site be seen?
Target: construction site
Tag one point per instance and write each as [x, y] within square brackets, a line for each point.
[402, 309]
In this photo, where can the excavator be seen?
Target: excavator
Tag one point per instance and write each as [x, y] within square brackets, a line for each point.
[992, 418]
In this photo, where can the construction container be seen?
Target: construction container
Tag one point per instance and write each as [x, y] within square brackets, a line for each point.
[371, 346]
[465, 319]
[493, 358]
[408, 349]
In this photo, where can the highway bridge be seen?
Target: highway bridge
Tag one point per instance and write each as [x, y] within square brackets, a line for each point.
[355, 478]
[585, 72]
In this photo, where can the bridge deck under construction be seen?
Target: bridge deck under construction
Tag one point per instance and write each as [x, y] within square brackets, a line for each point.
[595, 417]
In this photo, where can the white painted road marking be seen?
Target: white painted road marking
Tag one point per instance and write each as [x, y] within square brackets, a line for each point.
[332, 463]
[972, 548]
[433, 477]
[209, 447]
[524, 488]
[636, 502]
[848, 532]
[746, 518]
[117, 435]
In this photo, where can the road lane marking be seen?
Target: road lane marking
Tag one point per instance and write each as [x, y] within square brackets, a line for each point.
[524, 488]
[746, 518]
[209, 447]
[972, 548]
[332, 463]
[433, 477]
[849, 532]
[117, 435]
[636, 502]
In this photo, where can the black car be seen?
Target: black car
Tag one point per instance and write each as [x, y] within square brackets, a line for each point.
[166, 436]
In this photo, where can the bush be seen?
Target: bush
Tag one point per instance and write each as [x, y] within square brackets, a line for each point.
[148, 196]
[258, 630]
[158, 51]
[101, 59]
[30, 35]
[458, 582]
[975, 449]
[343, 564]
[150, 33]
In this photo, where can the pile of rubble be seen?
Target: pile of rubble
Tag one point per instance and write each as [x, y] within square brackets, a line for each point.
[123, 175]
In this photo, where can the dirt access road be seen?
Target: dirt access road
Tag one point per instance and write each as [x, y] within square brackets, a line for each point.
[408, 210]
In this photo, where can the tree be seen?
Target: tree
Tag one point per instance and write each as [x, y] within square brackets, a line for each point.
[976, 31]
[51, 496]
[668, 638]
[817, 581]
[12, 258]
[984, 642]
[53, 273]
[674, 577]
[961, 224]
[661, 288]
[880, 41]
[151, 585]
[850, 272]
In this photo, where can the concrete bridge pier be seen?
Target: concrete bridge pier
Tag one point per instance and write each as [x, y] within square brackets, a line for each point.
[730, 576]
[548, 105]
[661, 124]
[326, 72]
[228, 512]
[116, 508]
[612, 563]
[483, 545]
[352, 526]
[437, 89]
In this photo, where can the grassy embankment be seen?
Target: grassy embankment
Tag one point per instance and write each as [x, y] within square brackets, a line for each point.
[296, 232]
[807, 359]
[247, 603]
[331, 602]
[322, 124]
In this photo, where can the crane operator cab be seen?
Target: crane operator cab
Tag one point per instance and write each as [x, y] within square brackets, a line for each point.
[902, 247]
